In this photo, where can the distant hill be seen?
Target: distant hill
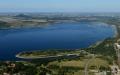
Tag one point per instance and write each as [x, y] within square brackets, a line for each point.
[23, 16]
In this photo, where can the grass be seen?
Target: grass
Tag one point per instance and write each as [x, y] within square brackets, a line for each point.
[97, 62]
[76, 67]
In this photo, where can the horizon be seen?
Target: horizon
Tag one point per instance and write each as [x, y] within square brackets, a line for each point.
[90, 6]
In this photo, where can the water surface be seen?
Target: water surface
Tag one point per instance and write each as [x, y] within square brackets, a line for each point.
[55, 36]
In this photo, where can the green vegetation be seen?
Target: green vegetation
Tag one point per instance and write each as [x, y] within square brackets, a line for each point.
[101, 61]
[104, 55]
[47, 53]
[3, 25]
[105, 49]
[80, 64]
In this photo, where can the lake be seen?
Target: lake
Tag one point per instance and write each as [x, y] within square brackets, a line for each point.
[52, 36]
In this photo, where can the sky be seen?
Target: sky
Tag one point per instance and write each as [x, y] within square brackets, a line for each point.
[59, 5]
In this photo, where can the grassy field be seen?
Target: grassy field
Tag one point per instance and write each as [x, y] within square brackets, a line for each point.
[97, 62]
[76, 67]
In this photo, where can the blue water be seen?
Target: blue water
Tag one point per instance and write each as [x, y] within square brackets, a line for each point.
[55, 36]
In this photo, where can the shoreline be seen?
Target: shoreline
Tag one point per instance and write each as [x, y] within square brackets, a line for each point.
[45, 57]
[114, 36]
[116, 31]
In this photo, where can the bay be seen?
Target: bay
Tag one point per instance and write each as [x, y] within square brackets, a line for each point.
[52, 36]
